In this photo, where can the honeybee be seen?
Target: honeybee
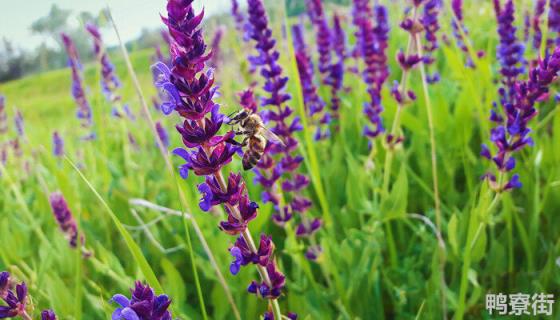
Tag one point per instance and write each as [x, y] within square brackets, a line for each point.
[256, 136]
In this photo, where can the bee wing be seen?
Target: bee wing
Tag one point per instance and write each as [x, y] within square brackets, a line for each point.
[271, 136]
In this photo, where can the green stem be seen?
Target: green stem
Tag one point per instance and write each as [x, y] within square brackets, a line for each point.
[475, 227]
[389, 155]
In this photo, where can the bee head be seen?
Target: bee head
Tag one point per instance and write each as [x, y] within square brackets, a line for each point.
[238, 117]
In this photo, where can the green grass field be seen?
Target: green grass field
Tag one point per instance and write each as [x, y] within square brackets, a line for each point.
[382, 252]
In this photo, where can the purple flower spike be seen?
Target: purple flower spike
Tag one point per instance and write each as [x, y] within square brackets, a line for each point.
[323, 32]
[19, 123]
[312, 101]
[84, 112]
[216, 57]
[510, 50]
[162, 134]
[554, 22]
[4, 284]
[374, 47]
[535, 22]
[188, 84]
[48, 315]
[280, 161]
[57, 145]
[143, 305]
[3, 116]
[64, 218]
[512, 131]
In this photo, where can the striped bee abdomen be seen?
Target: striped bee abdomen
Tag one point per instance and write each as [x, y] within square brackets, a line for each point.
[254, 151]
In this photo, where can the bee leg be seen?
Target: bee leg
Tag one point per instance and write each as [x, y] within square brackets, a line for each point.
[232, 141]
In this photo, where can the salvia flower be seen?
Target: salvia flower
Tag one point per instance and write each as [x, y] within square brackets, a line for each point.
[361, 12]
[19, 123]
[430, 22]
[336, 75]
[460, 31]
[312, 101]
[144, 304]
[323, 35]
[540, 6]
[65, 219]
[4, 283]
[247, 100]
[84, 112]
[48, 315]
[374, 47]
[162, 134]
[3, 115]
[191, 94]
[57, 145]
[512, 132]
[554, 22]
[216, 41]
[280, 161]
[510, 50]
[15, 302]
[110, 83]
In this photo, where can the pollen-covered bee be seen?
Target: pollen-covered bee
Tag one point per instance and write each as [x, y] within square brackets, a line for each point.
[256, 136]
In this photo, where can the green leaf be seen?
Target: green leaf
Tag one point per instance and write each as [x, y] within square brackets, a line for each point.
[130, 243]
[173, 283]
[452, 233]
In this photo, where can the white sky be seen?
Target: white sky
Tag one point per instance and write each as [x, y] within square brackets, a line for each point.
[131, 16]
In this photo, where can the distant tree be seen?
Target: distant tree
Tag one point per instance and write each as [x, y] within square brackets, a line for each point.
[53, 23]
[13, 62]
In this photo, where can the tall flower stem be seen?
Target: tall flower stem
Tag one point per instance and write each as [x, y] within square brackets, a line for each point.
[476, 226]
[389, 155]
[397, 120]
[437, 203]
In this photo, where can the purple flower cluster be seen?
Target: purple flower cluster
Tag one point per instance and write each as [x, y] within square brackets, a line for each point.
[162, 134]
[65, 220]
[144, 304]
[48, 315]
[361, 12]
[19, 123]
[84, 112]
[243, 26]
[313, 102]
[3, 116]
[16, 302]
[57, 145]
[430, 22]
[237, 15]
[110, 83]
[191, 92]
[215, 47]
[510, 50]
[329, 41]
[512, 131]
[554, 22]
[374, 47]
[458, 25]
[323, 35]
[336, 72]
[288, 161]
[460, 31]
[540, 6]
